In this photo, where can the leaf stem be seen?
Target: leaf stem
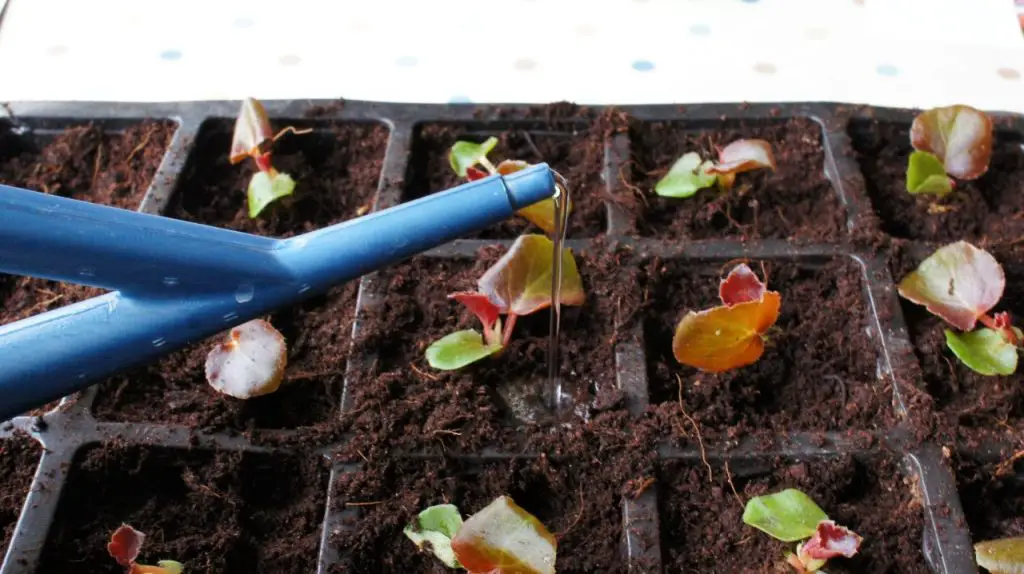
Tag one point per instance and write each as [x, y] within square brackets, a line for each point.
[263, 162]
[490, 166]
[509, 325]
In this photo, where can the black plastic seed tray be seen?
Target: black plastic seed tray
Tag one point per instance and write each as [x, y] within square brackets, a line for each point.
[946, 543]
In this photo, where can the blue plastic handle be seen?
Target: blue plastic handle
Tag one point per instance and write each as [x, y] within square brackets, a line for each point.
[178, 282]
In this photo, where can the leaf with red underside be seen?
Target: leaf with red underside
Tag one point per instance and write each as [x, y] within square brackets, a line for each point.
[252, 128]
[960, 136]
[520, 282]
[480, 305]
[959, 283]
[830, 541]
[125, 544]
[741, 156]
[473, 173]
[741, 286]
[725, 338]
[503, 538]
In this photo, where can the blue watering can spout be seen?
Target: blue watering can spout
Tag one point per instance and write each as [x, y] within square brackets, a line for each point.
[176, 282]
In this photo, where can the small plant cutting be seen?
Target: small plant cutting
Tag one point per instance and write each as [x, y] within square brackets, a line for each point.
[733, 334]
[951, 142]
[517, 284]
[791, 516]
[253, 138]
[691, 173]
[249, 363]
[464, 158]
[960, 284]
[1003, 556]
[125, 545]
[502, 538]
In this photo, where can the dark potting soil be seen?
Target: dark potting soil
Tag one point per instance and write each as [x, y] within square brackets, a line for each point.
[579, 503]
[19, 457]
[174, 389]
[990, 209]
[703, 530]
[992, 495]
[214, 511]
[796, 202]
[819, 368]
[399, 401]
[575, 152]
[336, 169]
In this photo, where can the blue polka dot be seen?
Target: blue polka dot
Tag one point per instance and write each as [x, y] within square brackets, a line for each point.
[244, 23]
[170, 55]
[643, 65]
[700, 30]
[407, 61]
[749, 1]
[887, 70]
[458, 99]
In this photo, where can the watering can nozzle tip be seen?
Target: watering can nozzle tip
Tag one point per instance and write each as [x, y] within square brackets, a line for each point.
[528, 186]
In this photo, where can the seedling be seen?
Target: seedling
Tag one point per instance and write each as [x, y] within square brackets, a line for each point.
[960, 284]
[791, 516]
[1004, 556]
[502, 538]
[464, 158]
[253, 138]
[731, 335]
[249, 363]
[950, 142]
[691, 173]
[518, 284]
[124, 546]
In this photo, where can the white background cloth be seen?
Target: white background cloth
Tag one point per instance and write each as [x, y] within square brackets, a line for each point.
[884, 52]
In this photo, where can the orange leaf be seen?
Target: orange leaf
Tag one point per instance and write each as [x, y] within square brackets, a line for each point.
[725, 338]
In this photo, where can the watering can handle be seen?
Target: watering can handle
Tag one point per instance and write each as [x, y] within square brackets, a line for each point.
[176, 282]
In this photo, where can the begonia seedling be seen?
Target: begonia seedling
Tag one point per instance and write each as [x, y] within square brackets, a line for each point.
[250, 362]
[690, 173]
[253, 138]
[502, 538]
[960, 284]
[518, 284]
[124, 547]
[464, 158]
[1003, 556]
[731, 335]
[791, 516]
[949, 142]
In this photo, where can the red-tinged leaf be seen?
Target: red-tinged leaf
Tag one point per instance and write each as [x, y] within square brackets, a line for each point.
[504, 538]
[520, 282]
[830, 541]
[125, 544]
[475, 173]
[741, 286]
[959, 283]
[480, 305]
[252, 128]
[960, 136]
[744, 155]
[725, 338]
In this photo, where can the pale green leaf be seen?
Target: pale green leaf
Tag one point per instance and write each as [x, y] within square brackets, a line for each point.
[789, 515]
[264, 189]
[459, 349]
[983, 351]
[686, 177]
[171, 566]
[1005, 556]
[465, 155]
[437, 526]
[925, 174]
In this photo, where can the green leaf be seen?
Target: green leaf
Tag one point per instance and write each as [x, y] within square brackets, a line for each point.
[983, 351]
[265, 188]
[520, 282]
[1005, 556]
[464, 155]
[925, 174]
[459, 349]
[437, 526]
[687, 176]
[789, 515]
[171, 566]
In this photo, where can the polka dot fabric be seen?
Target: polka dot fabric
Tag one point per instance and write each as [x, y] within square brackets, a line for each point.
[448, 51]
